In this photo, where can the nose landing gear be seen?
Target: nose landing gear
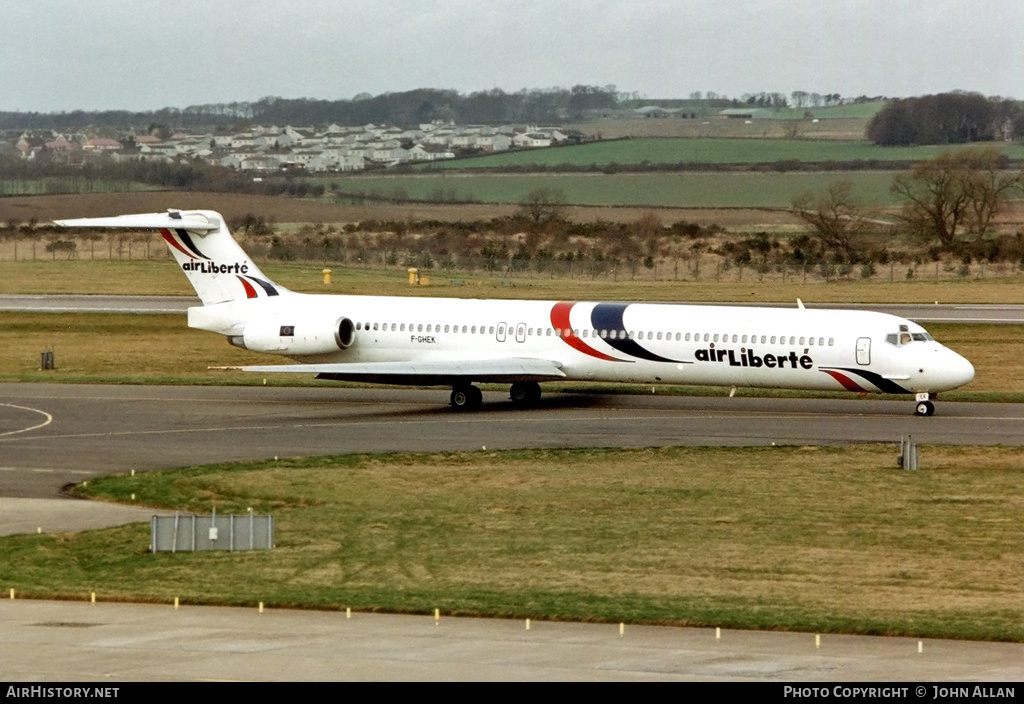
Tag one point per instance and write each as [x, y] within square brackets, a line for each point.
[924, 407]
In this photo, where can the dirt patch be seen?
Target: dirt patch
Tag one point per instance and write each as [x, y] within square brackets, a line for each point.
[294, 210]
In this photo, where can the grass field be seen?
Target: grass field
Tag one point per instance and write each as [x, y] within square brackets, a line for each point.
[710, 151]
[678, 190]
[803, 538]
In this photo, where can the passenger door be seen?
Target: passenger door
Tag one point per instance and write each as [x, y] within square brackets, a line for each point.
[864, 350]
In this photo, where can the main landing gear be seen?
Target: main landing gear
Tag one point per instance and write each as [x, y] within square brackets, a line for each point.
[466, 397]
[524, 393]
[924, 407]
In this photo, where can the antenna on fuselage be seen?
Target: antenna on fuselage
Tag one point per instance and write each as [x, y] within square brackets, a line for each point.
[800, 304]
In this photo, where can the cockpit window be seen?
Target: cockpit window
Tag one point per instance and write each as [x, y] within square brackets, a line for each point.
[905, 337]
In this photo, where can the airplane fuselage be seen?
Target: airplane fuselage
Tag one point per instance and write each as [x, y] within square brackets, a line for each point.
[628, 342]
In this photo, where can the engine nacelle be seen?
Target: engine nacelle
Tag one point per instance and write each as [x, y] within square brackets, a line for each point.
[296, 337]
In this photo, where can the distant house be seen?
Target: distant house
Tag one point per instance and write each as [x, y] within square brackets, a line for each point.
[654, 111]
[494, 142]
[531, 140]
[101, 144]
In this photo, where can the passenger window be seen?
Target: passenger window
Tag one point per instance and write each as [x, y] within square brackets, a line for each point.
[831, 341]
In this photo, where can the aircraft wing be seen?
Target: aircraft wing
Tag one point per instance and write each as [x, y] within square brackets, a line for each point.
[427, 373]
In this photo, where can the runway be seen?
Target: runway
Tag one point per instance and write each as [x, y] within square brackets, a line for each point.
[55, 434]
[75, 641]
[52, 434]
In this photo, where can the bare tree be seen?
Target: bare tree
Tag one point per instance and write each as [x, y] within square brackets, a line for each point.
[955, 194]
[988, 187]
[542, 206]
[837, 218]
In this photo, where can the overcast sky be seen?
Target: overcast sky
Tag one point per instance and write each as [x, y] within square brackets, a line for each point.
[126, 54]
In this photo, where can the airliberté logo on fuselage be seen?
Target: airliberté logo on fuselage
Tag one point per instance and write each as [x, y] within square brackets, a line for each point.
[204, 267]
[747, 358]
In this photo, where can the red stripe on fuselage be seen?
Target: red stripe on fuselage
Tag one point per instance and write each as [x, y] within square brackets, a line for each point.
[560, 322]
[848, 383]
[174, 243]
[250, 292]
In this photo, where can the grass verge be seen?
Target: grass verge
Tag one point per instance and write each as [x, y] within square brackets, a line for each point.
[795, 538]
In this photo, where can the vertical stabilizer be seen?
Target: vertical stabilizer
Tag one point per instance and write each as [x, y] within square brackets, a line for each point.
[202, 246]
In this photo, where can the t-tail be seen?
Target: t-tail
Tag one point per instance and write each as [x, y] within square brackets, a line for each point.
[200, 242]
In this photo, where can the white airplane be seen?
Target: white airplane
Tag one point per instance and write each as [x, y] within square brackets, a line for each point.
[456, 342]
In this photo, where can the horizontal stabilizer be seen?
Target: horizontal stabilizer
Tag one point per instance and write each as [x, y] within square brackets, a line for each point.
[429, 373]
[172, 220]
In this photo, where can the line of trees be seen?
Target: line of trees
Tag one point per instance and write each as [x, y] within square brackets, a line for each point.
[494, 106]
[945, 118]
[411, 107]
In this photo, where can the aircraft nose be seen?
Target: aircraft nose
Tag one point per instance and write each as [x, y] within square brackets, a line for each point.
[961, 370]
[956, 371]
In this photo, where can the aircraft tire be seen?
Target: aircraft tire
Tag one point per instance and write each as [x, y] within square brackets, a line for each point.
[466, 398]
[924, 408]
[524, 393]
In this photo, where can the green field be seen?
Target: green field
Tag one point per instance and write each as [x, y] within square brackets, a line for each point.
[863, 111]
[797, 538]
[680, 190]
[710, 151]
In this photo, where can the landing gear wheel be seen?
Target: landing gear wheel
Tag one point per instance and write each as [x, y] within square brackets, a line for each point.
[924, 408]
[466, 398]
[524, 393]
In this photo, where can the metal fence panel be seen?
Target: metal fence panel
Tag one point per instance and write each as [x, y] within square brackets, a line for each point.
[185, 533]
